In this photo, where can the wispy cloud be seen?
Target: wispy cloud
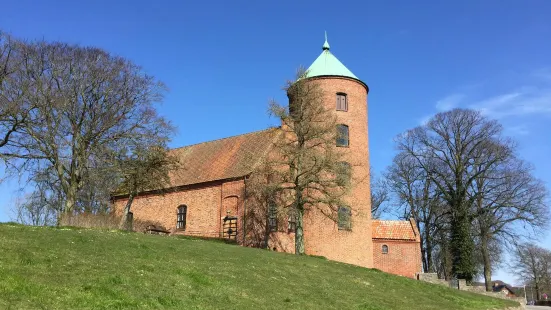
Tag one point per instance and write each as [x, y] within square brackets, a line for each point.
[527, 101]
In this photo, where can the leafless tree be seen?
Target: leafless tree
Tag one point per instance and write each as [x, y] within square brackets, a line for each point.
[141, 169]
[417, 197]
[86, 104]
[453, 150]
[380, 196]
[532, 265]
[35, 208]
[308, 171]
[507, 196]
[14, 112]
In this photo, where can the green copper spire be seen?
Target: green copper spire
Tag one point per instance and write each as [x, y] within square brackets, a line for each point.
[326, 44]
[328, 64]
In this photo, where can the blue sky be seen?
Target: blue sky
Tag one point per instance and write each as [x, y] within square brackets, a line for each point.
[223, 60]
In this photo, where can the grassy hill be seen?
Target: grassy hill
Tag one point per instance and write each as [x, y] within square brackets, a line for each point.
[60, 268]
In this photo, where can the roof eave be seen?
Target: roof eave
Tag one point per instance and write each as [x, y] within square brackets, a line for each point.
[341, 77]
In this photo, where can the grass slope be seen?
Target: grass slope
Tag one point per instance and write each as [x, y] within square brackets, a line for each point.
[51, 268]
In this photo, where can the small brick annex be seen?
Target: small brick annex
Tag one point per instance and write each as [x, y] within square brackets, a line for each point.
[211, 186]
[396, 247]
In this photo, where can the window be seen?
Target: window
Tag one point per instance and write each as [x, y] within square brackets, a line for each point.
[272, 217]
[342, 135]
[342, 103]
[385, 249]
[292, 222]
[345, 215]
[343, 173]
[181, 218]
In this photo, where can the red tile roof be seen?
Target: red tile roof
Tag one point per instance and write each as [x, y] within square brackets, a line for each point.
[394, 230]
[222, 159]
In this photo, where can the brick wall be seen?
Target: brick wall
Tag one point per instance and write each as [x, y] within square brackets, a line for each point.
[206, 205]
[321, 234]
[403, 258]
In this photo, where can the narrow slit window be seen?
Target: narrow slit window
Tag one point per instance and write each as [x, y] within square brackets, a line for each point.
[344, 218]
[342, 135]
[343, 173]
[272, 217]
[292, 222]
[181, 217]
[342, 102]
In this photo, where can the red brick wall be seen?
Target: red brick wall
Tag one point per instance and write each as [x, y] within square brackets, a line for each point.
[321, 234]
[403, 258]
[204, 212]
[207, 205]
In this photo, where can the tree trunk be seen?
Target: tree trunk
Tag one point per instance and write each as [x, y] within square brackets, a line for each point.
[71, 198]
[124, 219]
[428, 247]
[487, 261]
[299, 233]
[462, 244]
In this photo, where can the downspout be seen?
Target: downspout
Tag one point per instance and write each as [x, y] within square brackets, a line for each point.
[220, 233]
[244, 195]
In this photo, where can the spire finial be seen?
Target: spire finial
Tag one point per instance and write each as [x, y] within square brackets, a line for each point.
[325, 45]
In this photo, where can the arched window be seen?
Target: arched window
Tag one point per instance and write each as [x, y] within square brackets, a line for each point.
[181, 218]
[342, 103]
[342, 135]
[385, 249]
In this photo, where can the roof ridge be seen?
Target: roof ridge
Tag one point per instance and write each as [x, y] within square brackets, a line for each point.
[219, 139]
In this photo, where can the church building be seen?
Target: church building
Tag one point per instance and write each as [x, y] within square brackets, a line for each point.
[207, 198]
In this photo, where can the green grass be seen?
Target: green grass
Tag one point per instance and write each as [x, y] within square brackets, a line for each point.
[52, 268]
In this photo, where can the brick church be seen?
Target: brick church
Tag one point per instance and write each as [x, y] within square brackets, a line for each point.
[207, 197]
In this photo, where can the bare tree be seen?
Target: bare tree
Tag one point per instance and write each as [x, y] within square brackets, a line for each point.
[454, 149]
[506, 196]
[308, 172]
[87, 104]
[35, 208]
[14, 113]
[417, 197]
[533, 265]
[380, 196]
[141, 169]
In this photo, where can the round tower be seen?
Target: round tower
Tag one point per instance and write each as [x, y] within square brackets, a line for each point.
[345, 94]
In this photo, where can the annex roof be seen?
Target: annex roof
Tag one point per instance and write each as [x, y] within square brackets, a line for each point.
[394, 230]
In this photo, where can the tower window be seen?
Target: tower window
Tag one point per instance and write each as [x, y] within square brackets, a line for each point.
[272, 216]
[385, 249]
[342, 135]
[344, 220]
[181, 217]
[292, 222]
[343, 173]
[342, 103]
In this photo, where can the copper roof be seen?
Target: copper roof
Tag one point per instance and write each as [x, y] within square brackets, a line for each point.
[394, 230]
[221, 159]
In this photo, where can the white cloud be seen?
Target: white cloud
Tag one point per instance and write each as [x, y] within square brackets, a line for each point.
[527, 101]
[533, 98]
